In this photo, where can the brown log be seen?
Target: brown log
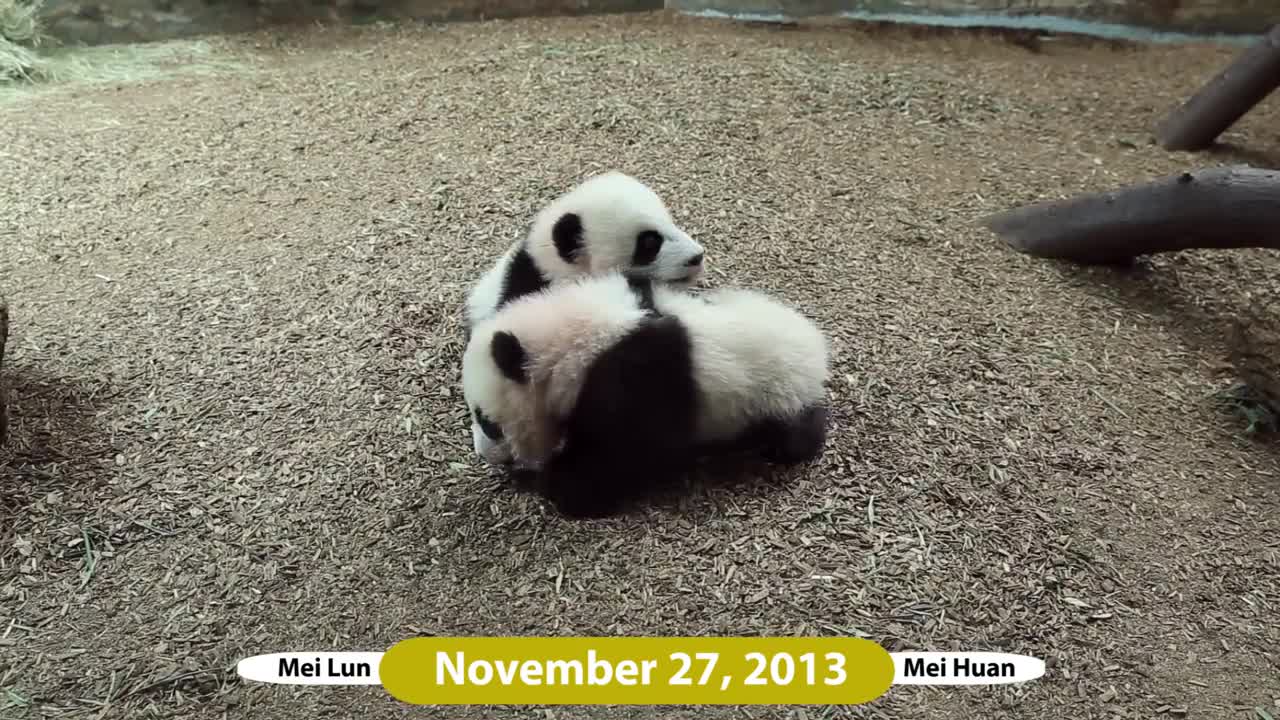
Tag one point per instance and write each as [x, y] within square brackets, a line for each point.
[1255, 349]
[1222, 101]
[1218, 208]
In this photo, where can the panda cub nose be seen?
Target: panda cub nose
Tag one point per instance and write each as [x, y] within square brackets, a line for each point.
[696, 260]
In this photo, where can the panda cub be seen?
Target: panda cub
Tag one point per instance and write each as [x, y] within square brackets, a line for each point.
[604, 384]
[608, 222]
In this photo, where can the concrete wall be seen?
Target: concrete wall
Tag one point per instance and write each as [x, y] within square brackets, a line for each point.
[441, 10]
[1179, 16]
[95, 22]
[115, 21]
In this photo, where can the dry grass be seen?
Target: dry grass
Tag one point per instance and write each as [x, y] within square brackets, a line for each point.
[31, 63]
[235, 305]
[19, 35]
[57, 67]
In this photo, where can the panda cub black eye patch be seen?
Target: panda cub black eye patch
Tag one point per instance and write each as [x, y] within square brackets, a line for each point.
[489, 427]
[647, 245]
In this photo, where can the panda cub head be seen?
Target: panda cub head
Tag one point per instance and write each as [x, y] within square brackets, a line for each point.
[612, 221]
[523, 367]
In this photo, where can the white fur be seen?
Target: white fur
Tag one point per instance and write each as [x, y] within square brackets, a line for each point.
[483, 298]
[754, 357]
[562, 329]
[614, 209]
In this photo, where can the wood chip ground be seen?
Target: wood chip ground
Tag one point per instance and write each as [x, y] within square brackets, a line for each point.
[234, 356]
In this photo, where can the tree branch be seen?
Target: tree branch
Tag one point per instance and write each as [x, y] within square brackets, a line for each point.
[4, 389]
[1219, 208]
[1222, 101]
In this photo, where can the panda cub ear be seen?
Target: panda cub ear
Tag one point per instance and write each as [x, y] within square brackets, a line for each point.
[567, 236]
[509, 356]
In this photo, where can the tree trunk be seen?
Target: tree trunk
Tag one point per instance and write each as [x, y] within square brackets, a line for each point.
[1255, 349]
[1219, 208]
[4, 388]
[1222, 101]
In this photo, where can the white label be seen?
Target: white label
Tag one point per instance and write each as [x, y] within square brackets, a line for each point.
[313, 668]
[964, 668]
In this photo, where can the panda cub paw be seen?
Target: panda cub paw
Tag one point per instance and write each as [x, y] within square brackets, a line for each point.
[799, 440]
[582, 485]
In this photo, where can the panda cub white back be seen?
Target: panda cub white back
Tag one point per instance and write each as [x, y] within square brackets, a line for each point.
[610, 221]
[606, 382]
[753, 357]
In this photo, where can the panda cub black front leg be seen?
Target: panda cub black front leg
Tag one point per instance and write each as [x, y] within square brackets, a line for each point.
[798, 440]
[581, 487]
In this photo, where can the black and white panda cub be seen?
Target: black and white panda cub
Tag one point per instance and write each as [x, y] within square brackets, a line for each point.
[604, 384]
[610, 221]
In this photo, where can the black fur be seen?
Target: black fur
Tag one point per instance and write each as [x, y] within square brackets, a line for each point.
[781, 441]
[634, 418]
[636, 415]
[648, 243]
[509, 356]
[643, 288]
[489, 427]
[567, 235]
[793, 441]
[523, 277]
[632, 428]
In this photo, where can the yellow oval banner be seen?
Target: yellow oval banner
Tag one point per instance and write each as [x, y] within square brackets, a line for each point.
[636, 671]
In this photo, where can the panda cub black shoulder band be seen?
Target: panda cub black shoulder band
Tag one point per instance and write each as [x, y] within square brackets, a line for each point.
[643, 288]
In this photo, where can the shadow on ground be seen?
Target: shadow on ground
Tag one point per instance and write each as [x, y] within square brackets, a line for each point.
[1197, 296]
[692, 491]
[1228, 152]
[54, 441]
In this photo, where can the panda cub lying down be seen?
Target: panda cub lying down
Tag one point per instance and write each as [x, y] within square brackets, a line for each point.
[603, 384]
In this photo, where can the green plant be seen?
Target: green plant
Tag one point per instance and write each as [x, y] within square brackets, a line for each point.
[1250, 404]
